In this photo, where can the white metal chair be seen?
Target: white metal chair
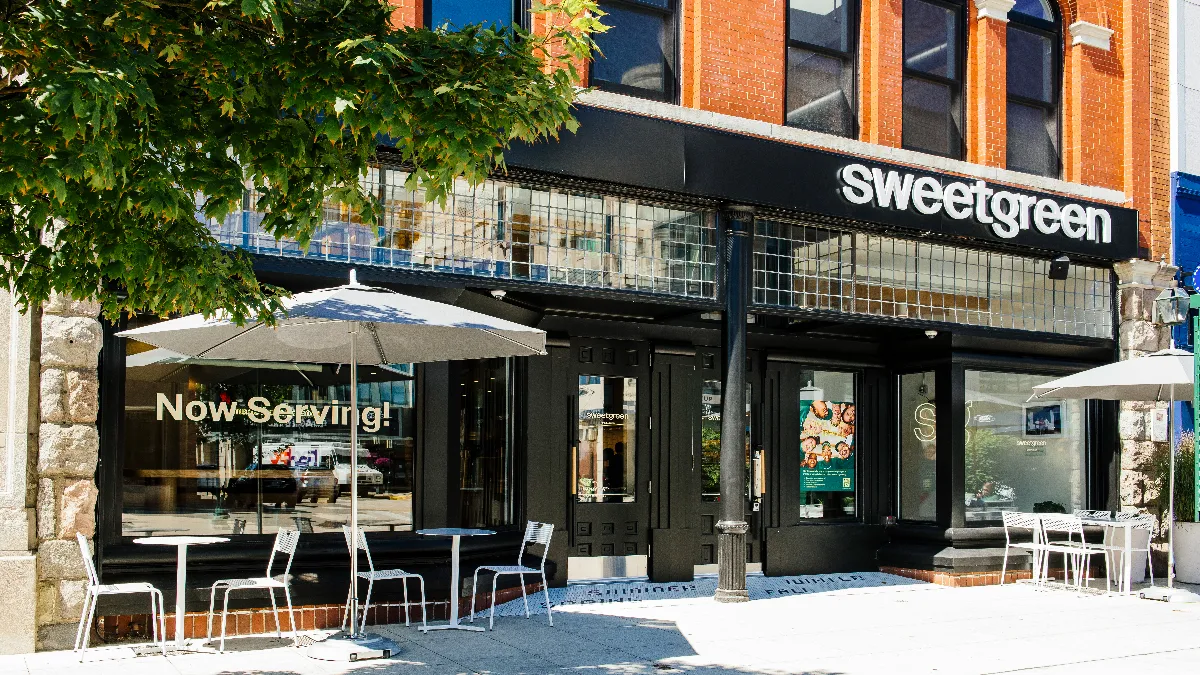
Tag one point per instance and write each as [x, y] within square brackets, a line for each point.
[535, 533]
[285, 544]
[1091, 513]
[95, 589]
[1036, 546]
[372, 575]
[1144, 521]
[1076, 554]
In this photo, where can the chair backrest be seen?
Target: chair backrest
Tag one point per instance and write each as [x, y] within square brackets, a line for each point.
[1061, 522]
[536, 533]
[358, 543]
[85, 551]
[1144, 521]
[1025, 521]
[1090, 513]
[285, 543]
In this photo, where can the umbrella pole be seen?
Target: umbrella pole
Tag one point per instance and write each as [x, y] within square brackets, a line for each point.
[354, 476]
[1171, 492]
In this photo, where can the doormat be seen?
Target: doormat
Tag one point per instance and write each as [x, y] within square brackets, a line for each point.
[759, 586]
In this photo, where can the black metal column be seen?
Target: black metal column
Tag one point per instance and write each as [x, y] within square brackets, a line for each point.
[732, 527]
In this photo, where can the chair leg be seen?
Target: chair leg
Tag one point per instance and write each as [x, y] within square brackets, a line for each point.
[474, 592]
[405, 582]
[366, 606]
[212, 599]
[287, 594]
[162, 620]
[423, 624]
[346, 612]
[87, 631]
[87, 602]
[521, 578]
[1004, 564]
[275, 613]
[492, 616]
[224, 617]
[1149, 561]
[153, 618]
[546, 589]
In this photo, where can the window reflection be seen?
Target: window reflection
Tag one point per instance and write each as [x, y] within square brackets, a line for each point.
[606, 461]
[486, 471]
[1020, 455]
[238, 447]
[710, 441]
[918, 447]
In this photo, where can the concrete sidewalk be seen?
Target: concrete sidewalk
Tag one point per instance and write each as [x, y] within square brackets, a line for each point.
[893, 629]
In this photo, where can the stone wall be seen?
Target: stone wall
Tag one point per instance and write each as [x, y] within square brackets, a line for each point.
[68, 451]
[1139, 283]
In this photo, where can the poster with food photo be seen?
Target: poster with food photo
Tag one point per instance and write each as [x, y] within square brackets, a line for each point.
[827, 446]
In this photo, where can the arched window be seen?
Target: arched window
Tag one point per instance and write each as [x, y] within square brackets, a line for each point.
[822, 39]
[934, 50]
[1034, 74]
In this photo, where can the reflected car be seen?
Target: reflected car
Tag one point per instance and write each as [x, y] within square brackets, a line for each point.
[278, 485]
[317, 484]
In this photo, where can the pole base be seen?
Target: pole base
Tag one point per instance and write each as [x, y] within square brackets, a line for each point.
[343, 648]
[1164, 594]
[734, 595]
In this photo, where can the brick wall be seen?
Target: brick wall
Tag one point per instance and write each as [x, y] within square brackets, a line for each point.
[881, 51]
[987, 90]
[739, 67]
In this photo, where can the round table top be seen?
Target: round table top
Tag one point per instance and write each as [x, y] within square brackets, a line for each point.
[454, 532]
[180, 541]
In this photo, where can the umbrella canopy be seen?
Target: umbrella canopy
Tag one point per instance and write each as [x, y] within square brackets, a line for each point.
[394, 328]
[1165, 375]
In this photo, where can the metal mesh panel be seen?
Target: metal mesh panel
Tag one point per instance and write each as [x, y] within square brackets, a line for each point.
[507, 230]
[810, 267]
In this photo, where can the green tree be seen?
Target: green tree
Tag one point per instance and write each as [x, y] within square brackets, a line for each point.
[122, 120]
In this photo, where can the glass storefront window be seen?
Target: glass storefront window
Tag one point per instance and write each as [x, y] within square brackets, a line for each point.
[918, 447]
[486, 470]
[605, 463]
[710, 441]
[238, 447]
[1021, 456]
[828, 452]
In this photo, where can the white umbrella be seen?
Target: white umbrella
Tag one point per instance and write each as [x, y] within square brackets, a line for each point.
[1166, 375]
[318, 326]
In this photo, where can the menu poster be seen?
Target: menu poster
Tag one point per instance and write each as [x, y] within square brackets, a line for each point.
[827, 446]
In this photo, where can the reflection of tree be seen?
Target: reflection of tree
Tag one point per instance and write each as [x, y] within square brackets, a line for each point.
[983, 446]
[710, 454]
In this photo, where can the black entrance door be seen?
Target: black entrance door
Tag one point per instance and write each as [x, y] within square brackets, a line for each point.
[609, 463]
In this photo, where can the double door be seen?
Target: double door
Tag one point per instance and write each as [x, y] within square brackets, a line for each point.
[645, 457]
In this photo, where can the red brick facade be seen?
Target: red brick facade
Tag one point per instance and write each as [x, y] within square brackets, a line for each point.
[1113, 103]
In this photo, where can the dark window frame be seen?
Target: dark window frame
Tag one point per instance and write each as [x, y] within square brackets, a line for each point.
[851, 56]
[670, 93]
[958, 86]
[1052, 30]
[521, 16]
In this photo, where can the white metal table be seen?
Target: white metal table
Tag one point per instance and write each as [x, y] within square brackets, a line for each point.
[181, 544]
[1125, 578]
[456, 534]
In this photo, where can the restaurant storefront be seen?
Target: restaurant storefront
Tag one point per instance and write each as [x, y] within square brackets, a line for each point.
[897, 321]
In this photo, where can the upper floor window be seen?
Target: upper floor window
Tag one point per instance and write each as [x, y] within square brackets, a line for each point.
[820, 77]
[460, 13]
[1034, 64]
[637, 54]
[934, 46]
